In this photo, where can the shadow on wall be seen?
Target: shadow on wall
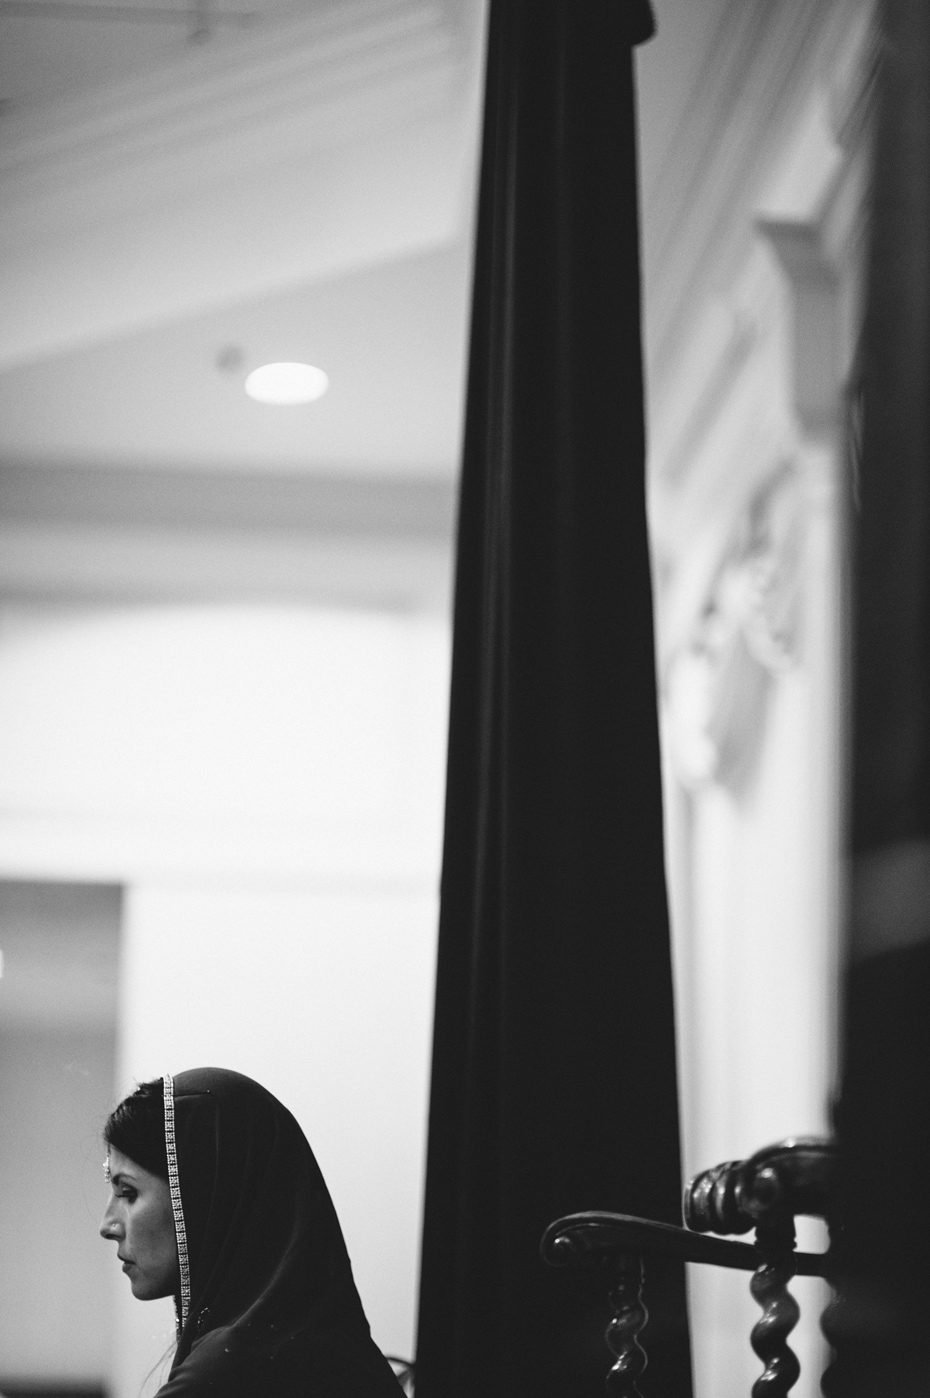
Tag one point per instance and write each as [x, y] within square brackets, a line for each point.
[57, 1067]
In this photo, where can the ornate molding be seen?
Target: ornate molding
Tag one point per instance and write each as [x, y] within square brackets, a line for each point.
[717, 683]
[746, 461]
[769, 69]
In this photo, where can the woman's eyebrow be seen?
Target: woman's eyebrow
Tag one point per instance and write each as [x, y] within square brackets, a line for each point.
[121, 1179]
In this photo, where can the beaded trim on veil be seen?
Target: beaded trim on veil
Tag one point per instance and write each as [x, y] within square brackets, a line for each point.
[174, 1184]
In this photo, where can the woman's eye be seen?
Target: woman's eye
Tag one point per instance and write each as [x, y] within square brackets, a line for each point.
[128, 1194]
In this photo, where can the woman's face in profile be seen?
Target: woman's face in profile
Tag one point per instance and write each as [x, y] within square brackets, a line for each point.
[140, 1221]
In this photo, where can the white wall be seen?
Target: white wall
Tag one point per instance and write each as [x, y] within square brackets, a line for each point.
[240, 740]
[326, 998]
[753, 310]
[760, 1048]
[266, 782]
[54, 1093]
[57, 1048]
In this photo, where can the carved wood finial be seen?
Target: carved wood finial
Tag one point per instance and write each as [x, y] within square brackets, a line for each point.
[767, 1191]
[774, 1185]
[630, 1315]
[712, 1203]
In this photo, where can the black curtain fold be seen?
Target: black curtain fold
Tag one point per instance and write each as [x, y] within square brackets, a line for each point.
[553, 1084]
[883, 1116]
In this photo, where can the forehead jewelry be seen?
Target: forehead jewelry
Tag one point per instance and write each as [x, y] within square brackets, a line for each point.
[106, 1170]
[174, 1185]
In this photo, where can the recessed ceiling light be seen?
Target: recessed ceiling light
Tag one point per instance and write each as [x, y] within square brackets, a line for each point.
[287, 383]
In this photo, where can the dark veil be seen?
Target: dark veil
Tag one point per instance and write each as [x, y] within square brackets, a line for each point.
[272, 1306]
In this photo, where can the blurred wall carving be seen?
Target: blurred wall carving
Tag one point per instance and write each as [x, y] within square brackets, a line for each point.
[754, 246]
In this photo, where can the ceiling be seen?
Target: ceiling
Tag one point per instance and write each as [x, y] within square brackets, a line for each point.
[58, 50]
[189, 190]
[176, 212]
[389, 336]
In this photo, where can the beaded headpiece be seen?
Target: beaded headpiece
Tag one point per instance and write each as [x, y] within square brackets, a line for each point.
[174, 1184]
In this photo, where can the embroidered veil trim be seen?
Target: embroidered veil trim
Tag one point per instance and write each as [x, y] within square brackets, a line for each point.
[174, 1184]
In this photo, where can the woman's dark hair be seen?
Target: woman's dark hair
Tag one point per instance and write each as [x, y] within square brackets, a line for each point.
[137, 1128]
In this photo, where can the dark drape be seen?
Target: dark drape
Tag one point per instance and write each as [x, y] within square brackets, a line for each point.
[883, 1120]
[553, 1083]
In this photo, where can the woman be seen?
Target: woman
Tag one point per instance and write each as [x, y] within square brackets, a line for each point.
[216, 1199]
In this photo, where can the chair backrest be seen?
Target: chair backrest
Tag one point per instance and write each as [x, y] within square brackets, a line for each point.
[765, 1193]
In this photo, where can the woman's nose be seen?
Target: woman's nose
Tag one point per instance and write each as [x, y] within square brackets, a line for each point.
[110, 1226]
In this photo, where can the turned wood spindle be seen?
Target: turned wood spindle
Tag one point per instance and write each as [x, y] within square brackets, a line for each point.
[780, 1313]
[838, 1329]
[630, 1315]
[765, 1192]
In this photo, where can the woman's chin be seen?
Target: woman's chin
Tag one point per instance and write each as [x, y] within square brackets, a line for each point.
[144, 1289]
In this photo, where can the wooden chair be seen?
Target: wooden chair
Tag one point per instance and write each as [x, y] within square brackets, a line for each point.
[764, 1193]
